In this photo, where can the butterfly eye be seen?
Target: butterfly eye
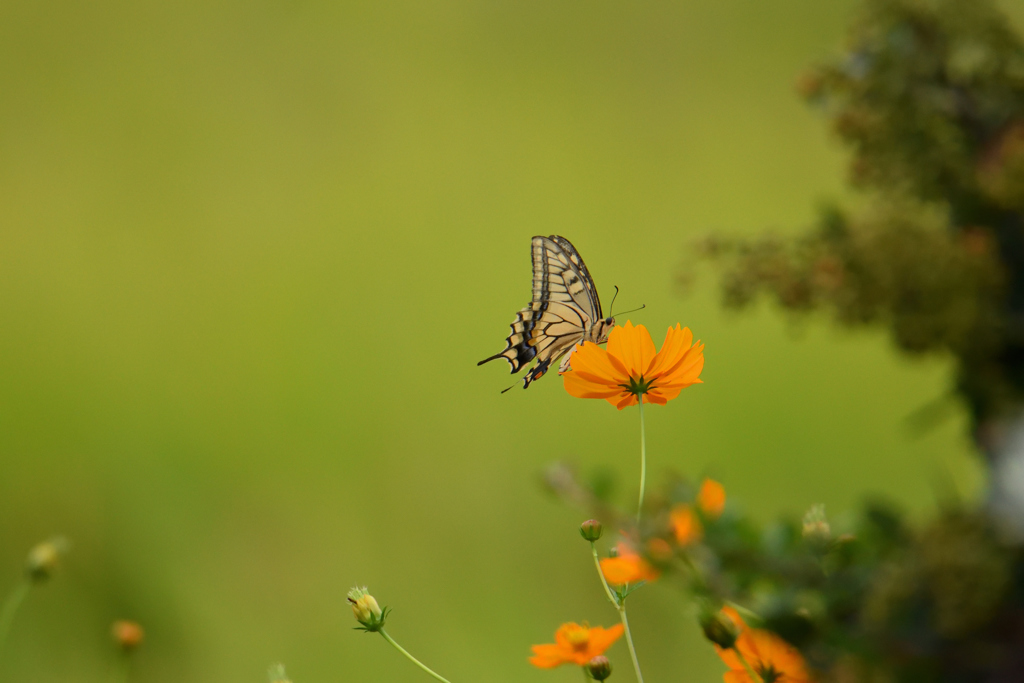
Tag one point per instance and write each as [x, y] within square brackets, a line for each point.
[609, 321]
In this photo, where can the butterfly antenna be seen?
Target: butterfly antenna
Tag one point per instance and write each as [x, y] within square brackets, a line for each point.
[633, 310]
[612, 307]
[511, 387]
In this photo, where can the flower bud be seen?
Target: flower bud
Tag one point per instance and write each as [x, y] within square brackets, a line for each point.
[816, 530]
[718, 628]
[599, 668]
[366, 610]
[591, 530]
[43, 559]
[276, 674]
[128, 635]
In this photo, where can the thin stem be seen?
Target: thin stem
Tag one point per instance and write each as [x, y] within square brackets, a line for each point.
[620, 607]
[120, 672]
[643, 460]
[411, 658]
[600, 574]
[746, 665]
[586, 676]
[10, 608]
[629, 641]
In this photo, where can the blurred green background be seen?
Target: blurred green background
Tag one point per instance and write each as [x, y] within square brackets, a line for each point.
[250, 253]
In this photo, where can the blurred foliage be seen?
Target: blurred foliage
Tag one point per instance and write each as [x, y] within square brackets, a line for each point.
[869, 598]
[929, 98]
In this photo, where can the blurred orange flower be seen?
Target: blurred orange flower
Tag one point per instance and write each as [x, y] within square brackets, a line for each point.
[685, 525]
[630, 367]
[771, 657]
[575, 644]
[627, 567]
[711, 498]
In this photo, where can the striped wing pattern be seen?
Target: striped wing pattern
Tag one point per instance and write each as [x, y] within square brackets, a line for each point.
[564, 305]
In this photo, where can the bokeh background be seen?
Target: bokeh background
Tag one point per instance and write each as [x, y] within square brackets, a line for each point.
[251, 252]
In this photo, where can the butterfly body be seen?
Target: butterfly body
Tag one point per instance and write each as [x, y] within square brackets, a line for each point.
[565, 311]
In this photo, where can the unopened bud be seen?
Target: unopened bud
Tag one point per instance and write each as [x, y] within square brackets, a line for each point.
[128, 635]
[591, 530]
[816, 529]
[718, 628]
[43, 559]
[366, 610]
[599, 668]
[276, 674]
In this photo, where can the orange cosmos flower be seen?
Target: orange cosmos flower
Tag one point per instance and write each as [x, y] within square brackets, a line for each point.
[575, 644]
[685, 525]
[711, 498]
[630, 367]
[771, 657]
[627, 567]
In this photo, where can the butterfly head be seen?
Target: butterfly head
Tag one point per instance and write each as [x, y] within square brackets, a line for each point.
[599, 332]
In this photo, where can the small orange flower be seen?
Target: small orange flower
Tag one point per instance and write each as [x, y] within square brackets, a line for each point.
[630, 367]
[685, 524]
[627, 567]
[711, 498]
[771, 657]
[575, 644]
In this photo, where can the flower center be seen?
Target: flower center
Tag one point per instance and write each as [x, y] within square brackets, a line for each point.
[579, 638]
[638, 386]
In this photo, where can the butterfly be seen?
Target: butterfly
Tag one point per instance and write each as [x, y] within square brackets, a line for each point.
[565, 311]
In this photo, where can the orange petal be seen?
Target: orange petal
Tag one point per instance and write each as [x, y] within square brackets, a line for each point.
[686, 370]
[685, 525]
[676, 343]
[628, 569]
[581, 388]
[711, 498]
[595, 362]
[655, 397]
[633, 346]
[601, 639]
[730, 659]
[737, 676]
[764, 649]
[547, 656]
[623, 400]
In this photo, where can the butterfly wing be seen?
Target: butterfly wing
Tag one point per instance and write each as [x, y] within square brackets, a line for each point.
[564, 305]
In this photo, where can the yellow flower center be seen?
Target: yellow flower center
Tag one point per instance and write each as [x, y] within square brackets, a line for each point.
[579, 638]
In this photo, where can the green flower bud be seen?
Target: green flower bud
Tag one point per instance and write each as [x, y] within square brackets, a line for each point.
[599, 668]
[591, 530]
[366, 610]
[43, 559]
[276, 674]
[718, 628]
[816, 530]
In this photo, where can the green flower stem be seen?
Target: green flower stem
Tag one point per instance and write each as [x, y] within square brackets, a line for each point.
[620, 607]
[411, 658]
[586, 676]
[746, 665]
[643, 459]
[600, 575]
[629, 641]
[120, 672]
[10, 608]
